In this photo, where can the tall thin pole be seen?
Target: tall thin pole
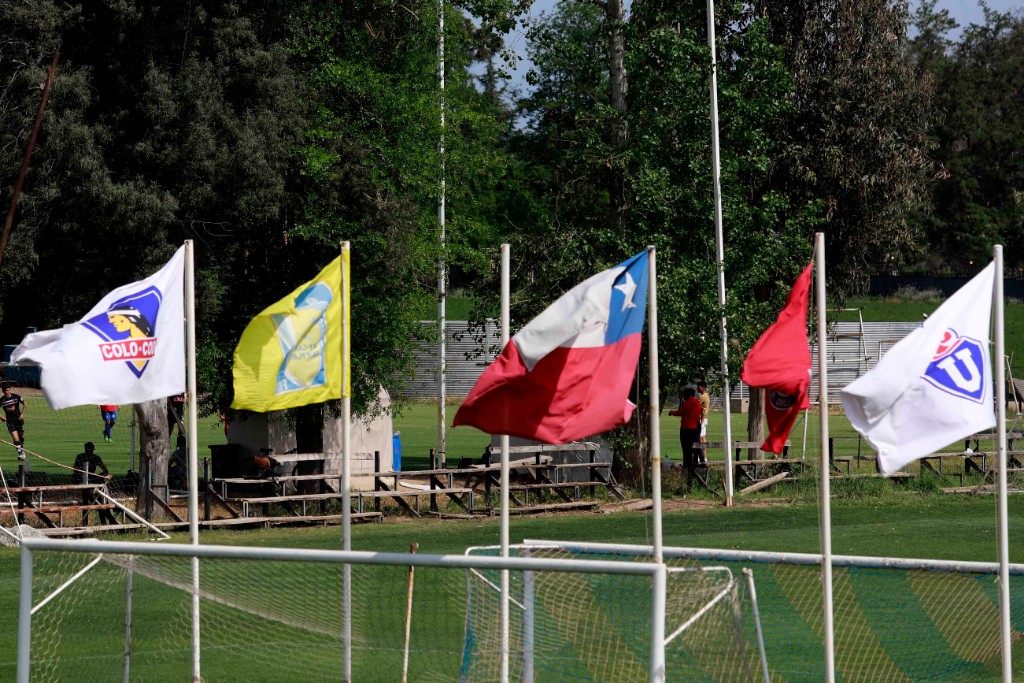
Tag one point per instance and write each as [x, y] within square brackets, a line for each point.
[193, 445]
[505, 321]
[127, 667]
[653, 404]
[9, 221]
[1004, 528]
[716, 175]
[346, 453]
[826, 495]
[25, 616]
[442, 268]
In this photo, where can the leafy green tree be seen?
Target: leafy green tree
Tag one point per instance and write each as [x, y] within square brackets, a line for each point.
[856, 140]
[571, 145]
[979, 181]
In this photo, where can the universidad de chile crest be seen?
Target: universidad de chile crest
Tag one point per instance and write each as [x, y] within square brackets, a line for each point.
[958, 367]
[128, 329]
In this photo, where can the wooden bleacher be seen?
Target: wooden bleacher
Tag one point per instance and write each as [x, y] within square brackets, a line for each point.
[759, 473]
[241, 495]
[44, 501]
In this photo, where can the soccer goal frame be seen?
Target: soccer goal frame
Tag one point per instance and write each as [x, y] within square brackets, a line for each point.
[956, 600]
[655, 573]
[725, 595]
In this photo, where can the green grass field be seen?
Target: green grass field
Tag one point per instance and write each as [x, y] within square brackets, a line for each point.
[957, 528]
[869, 517]
[58, 436]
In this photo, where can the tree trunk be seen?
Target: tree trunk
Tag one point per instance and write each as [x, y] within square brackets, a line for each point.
[615, 20]
[755, 420]
[154, 455]
[634, 464]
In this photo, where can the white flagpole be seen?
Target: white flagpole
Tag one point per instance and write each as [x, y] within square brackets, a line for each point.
[1004, 528]
[346, 457]
[193, 444]
[653, 402]
[716, 175]
[826, 496]
[505, 293]
[442, 267]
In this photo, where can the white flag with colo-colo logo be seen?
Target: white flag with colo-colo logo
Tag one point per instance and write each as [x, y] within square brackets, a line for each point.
[129, 348]
[933, 387]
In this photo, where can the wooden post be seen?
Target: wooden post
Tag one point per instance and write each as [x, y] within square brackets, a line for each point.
[408, 617]
[206, 489]
[377, 484]
[591, 471]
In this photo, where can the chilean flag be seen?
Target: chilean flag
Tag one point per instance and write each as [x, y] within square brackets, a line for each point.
[566, 375]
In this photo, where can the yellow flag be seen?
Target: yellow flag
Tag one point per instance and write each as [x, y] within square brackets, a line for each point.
[290, 355]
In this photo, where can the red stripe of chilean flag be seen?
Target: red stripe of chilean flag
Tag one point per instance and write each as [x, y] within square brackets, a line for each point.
[567, 374]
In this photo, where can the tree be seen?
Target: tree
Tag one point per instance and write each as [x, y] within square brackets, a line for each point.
[979, 182]
[667, 176]
[856, 140]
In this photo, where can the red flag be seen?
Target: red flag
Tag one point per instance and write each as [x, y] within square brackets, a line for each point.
[780, 362]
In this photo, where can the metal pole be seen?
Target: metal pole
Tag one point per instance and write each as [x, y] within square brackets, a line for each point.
[25, 616]
[529, 622]
[442, 269]
[653, 405]
[9, 221]
[716, 175]
[659, 586]
[826, 502]
[505, 322]
[757, 625]
[128, 621]
[193, 446]
[346, 454]
[1004, 529]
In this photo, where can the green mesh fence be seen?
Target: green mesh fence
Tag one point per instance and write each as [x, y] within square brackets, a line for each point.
[890, 624]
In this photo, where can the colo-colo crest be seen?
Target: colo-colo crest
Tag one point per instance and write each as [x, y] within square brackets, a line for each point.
[128, 329]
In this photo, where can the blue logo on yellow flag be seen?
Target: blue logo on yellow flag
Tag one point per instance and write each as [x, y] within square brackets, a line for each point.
[303, 338]
[290, 355]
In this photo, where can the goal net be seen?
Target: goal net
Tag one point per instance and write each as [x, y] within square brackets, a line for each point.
[894, 619]
[112, 610]
[597, 627]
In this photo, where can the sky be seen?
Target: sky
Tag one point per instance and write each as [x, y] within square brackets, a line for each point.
[964, 11]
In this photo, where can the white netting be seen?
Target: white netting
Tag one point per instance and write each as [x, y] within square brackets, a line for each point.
[274, 620]
[597, 627]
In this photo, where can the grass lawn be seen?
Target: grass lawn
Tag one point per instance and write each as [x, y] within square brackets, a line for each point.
[905, 525]
[57, 436]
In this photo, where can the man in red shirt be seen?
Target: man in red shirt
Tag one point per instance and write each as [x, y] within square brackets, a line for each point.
[690, 413]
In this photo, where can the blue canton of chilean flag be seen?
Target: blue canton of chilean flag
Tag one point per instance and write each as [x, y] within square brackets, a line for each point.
[933, 387]
[567, 374]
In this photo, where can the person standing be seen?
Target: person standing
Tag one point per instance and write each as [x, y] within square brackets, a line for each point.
[689, 412]
[14, 415]
[109, 414]
[705, 405]
[86, 463]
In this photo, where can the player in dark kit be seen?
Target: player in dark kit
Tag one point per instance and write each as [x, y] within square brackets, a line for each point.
[14, 416]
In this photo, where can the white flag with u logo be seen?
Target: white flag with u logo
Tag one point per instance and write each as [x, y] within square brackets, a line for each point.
[933, 387]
